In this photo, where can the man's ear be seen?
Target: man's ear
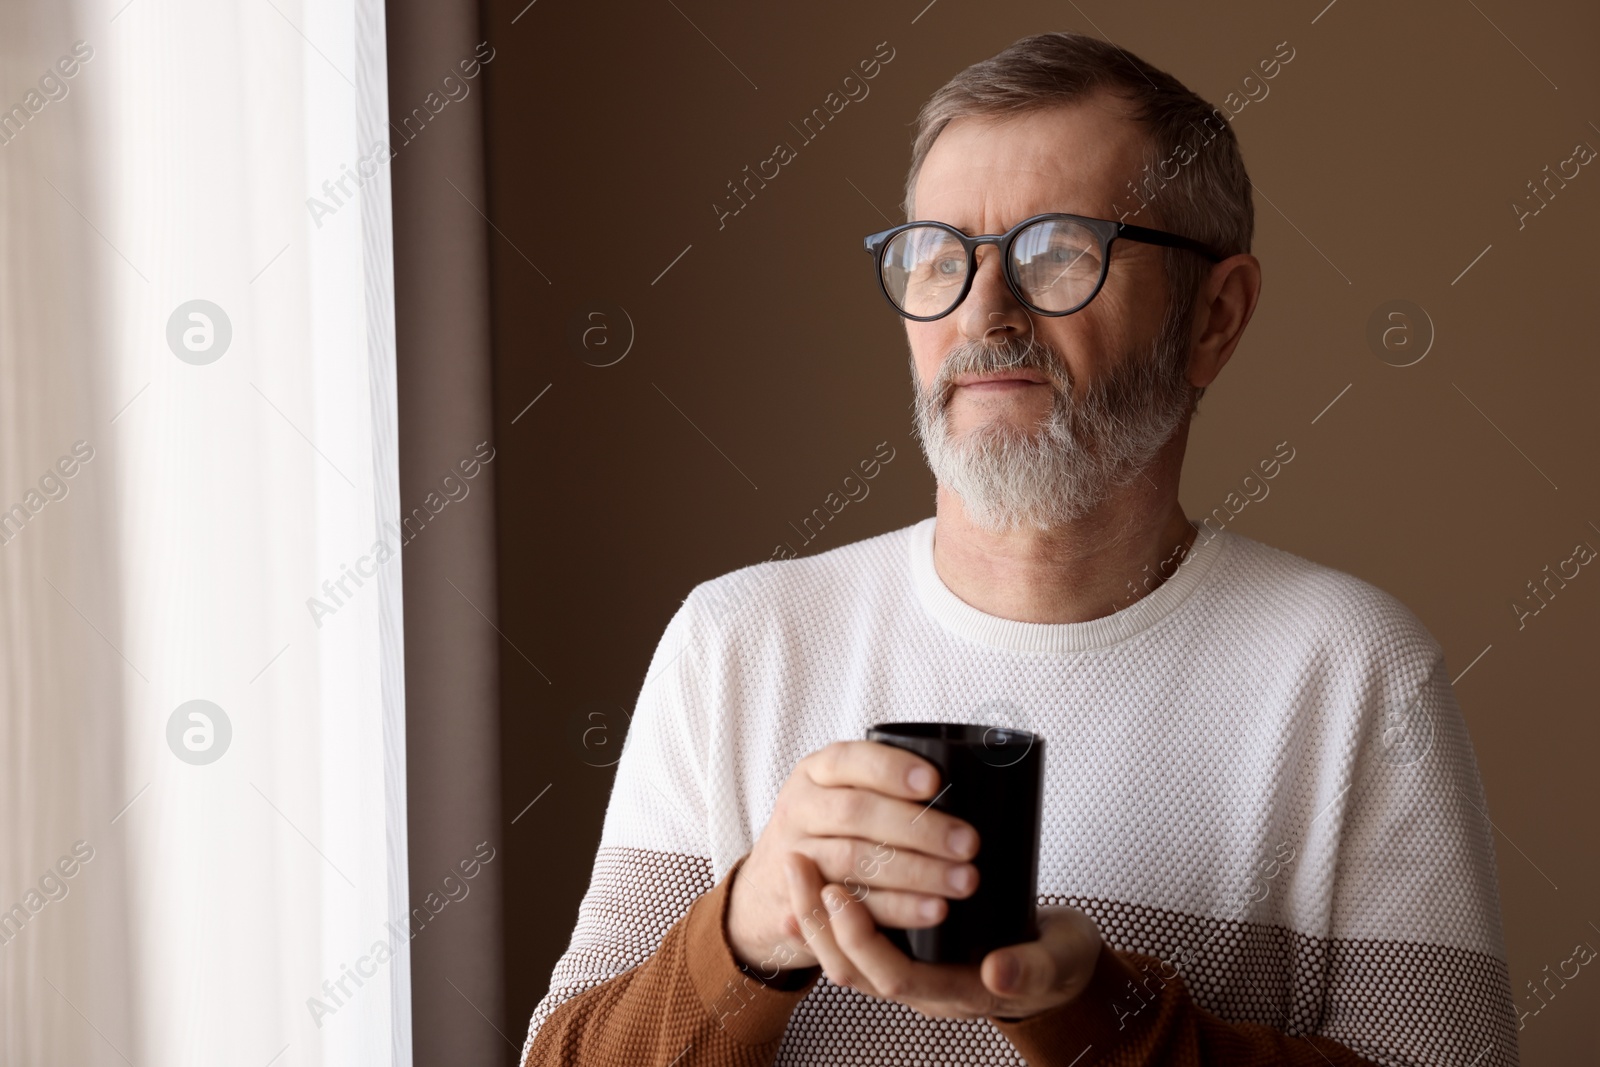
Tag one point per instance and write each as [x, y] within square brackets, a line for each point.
[1223, 307]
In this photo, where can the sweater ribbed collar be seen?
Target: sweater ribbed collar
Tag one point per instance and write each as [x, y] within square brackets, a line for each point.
[968, 622]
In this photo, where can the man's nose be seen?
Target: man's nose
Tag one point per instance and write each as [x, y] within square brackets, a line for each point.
[991, 311]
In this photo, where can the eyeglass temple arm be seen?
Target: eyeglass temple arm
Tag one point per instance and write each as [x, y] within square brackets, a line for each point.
[1170, 240]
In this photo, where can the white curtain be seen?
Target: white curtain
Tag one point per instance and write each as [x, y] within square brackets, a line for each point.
[202, 709]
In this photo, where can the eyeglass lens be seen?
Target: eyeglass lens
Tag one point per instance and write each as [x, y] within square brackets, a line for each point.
[1056, 263]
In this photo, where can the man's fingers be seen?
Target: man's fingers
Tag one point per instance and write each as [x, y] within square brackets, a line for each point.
[1019, 971]
[815, 919]
[1063, 957]
[874, 866]
[874, 765]
[909, 911]
[936, 988]
[877, 792]
[850, 811]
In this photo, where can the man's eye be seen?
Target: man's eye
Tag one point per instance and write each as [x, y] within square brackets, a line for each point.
[1072, 257]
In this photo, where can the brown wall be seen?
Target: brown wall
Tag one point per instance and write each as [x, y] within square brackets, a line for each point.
[764, 364]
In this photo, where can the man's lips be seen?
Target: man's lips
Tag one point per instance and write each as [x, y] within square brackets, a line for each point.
[999, 381]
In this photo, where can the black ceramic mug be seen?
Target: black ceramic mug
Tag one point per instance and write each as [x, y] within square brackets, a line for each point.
[993, 778]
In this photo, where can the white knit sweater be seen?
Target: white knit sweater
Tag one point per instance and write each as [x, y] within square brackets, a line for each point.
[1258, 772]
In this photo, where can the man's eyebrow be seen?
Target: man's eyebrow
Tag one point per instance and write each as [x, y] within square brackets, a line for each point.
[968, 230]
[972, 231]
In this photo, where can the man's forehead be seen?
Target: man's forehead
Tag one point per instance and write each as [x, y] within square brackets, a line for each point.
[1071, 157]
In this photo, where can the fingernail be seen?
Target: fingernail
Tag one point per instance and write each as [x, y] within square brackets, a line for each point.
[1005, 972]
[960, 878]
[928, 909]
[962, 841]
[920, 779]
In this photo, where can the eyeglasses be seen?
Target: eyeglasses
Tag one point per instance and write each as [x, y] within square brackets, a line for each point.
[1053, 263]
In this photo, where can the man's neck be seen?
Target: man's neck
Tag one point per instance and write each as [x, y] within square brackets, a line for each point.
[1106, 561]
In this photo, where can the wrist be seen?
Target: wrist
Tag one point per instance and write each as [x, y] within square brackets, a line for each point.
[771, 961]
[779, 966]
[745, 950]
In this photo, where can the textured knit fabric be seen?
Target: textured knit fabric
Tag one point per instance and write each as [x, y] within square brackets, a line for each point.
[1257, 782]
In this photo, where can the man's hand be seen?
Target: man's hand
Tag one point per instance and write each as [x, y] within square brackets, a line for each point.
[857, 812]
[1012, 982]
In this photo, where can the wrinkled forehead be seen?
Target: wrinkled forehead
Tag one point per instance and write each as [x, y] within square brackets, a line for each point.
[984, 173]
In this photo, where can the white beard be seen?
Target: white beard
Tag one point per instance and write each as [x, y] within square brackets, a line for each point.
[1064, 469]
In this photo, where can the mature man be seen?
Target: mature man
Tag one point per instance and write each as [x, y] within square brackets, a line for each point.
[1264, 835]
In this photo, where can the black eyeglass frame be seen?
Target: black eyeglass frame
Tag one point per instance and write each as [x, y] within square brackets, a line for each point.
[1106, 230]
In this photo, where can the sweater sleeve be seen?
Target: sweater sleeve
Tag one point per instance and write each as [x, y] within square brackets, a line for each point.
[1411, 969]
[1132, 1016]
[648, 965]
[689, 1004]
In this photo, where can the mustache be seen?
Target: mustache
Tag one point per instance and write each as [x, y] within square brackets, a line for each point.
[976, 357]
